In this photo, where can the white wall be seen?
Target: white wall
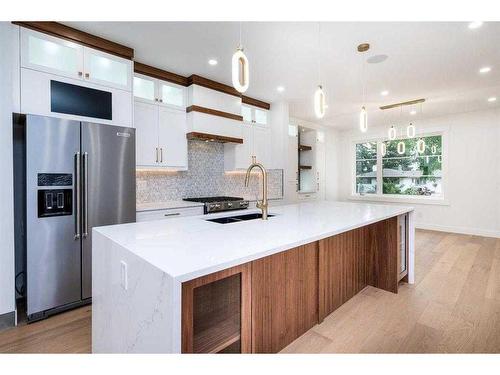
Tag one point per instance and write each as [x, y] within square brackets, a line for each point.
[7, 78]
[472, 189]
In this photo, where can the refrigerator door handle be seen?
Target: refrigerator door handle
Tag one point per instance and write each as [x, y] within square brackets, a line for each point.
[78, 194]
[85, 194]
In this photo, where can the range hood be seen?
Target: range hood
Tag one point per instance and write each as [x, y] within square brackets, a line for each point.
[213, 138]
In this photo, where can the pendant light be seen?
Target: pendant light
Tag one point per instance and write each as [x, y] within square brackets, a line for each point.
[392, 133]
[410, 131]
[383, 148]
[433, 149]
[240, 69]
[421, 146]
[401, 147]
[363, 115]
[319, 95]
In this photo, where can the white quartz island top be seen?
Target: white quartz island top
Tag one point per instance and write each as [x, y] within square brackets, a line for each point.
[189, 247]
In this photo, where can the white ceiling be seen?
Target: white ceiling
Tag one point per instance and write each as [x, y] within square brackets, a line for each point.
[435, 60]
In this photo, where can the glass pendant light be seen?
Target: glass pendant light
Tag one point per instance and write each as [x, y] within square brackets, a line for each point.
[240, 69]
[319, 102]
[421, 146]
[410, 131]
[383, 148]
[319, 94]
[392, 133]
[433, 149]
[363, 120]
[401, 147]
[363, 115]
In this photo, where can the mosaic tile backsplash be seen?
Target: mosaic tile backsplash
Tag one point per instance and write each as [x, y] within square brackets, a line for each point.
[205, 177]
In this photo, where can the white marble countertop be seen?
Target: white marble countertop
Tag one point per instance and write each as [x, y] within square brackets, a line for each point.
[189, 247]
[168, 205]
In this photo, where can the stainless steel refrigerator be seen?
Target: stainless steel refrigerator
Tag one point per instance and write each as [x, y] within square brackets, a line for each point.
[78, 175]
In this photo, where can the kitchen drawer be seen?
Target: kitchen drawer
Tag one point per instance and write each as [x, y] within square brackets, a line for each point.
[168, 214]
[306, 196]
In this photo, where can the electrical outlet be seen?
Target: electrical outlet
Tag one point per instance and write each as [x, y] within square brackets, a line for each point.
[124, 275]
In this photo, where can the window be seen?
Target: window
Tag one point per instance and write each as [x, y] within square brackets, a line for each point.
[404, 172]
[366, 168]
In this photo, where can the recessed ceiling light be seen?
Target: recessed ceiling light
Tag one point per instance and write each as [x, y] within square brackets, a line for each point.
[492, 99]
[413, 112]
[485, 69]
[212, 62]
[475, 24]
[384, 93]
[280, 88]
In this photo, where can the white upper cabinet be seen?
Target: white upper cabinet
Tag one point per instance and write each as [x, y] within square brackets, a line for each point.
[164, 93]
[260, 116]
[160, 136]
[107, 70]
[53, 55]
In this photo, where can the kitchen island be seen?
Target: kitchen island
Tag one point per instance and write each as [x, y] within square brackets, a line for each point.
[192, 285]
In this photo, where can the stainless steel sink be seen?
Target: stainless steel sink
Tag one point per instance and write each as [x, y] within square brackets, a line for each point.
[237, 219]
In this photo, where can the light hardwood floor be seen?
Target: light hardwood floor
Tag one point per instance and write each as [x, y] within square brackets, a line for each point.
[453, 307]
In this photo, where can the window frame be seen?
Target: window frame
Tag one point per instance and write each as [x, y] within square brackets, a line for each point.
[399, 198]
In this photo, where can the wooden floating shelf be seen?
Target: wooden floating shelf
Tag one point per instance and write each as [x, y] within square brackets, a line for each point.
[217, 337]
[305, 167]
[213, 138]
[305, 148]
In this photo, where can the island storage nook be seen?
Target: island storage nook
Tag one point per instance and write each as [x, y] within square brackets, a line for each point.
[193, 286]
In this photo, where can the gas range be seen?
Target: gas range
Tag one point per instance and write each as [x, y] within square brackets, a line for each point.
[219, 204]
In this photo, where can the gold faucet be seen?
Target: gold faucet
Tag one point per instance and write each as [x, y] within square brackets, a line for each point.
[263, 203]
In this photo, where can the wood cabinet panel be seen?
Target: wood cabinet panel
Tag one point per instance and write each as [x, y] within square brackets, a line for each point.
[216, 311]
[350, 261]
[284, 297]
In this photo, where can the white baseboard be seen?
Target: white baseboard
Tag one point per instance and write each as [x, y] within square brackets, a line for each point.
[461, 230]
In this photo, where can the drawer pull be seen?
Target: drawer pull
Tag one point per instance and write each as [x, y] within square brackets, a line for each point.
[173, 214]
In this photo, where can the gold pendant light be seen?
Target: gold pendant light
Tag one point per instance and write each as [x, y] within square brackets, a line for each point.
[240, 69]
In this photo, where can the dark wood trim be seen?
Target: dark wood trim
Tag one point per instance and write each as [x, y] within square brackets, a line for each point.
[213, 138]
[62, 31]
[213, 112]
[255, 102]
[208, 83]
[159, 74]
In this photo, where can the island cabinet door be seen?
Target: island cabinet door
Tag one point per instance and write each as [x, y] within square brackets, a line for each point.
[216, 312]
[284, 297]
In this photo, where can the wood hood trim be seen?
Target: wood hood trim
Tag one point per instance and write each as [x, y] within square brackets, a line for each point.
[66, 32]
[208, 83]
[214, 112]
[213, 138]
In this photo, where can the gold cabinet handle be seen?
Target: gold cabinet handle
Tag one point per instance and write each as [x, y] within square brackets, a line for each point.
[87, 75]
[157, 154]
[80, 74]
[161, 155]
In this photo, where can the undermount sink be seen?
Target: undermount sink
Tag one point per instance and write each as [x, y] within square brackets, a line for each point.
[238, 218]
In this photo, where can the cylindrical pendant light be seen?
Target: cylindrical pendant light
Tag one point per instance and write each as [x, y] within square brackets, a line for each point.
[392, 133]
[410, 131]
[401, 147]
[421, 146]
[319, 102]
[240, 69]
[363, 120]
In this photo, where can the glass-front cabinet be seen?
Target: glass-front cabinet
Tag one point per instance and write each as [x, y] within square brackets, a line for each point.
[52, 55]
[160, 92]
[45, 53]
[254, 115]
